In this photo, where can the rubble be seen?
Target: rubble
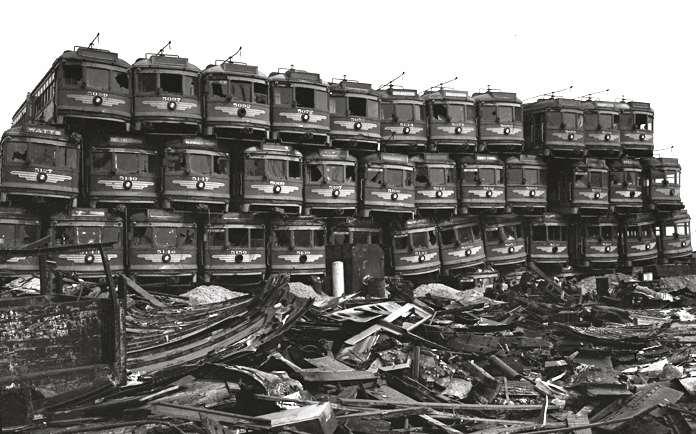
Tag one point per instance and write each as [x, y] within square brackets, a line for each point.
[431, 358]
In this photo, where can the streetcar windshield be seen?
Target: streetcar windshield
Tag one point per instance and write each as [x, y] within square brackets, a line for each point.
[240, 90]
[130, 163]
[200, 164]
[13, 236]
[306, 97]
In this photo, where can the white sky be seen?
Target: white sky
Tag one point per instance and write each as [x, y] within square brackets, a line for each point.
[641, 49]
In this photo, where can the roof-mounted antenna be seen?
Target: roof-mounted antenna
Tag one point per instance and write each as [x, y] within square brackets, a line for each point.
[441, 85]
[161, 50]
[589, 95]
[96, 39]
[551, 94]
[390, 83]
[229, 59]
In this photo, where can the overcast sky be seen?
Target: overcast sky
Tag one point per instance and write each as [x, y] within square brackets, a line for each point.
[639, 49]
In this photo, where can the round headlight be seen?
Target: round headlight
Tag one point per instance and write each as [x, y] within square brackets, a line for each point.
[97, 100]
[276, 189]
[241, 112]
[127, 185]
[304, 117]
[171, 105]
[394, 196]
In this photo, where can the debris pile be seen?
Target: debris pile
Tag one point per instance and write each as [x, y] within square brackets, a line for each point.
[431, 358]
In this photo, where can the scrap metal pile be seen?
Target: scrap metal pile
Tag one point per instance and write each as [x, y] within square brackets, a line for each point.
[527, 358]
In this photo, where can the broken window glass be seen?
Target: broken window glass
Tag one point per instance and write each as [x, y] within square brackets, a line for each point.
[315, 172]
[119, 82]
[101, 162]
[350, 174]
[375, 176]
[447, 237]
[64, 236]
[440, 113]
[221, 165]
[581, 180]
[422, 176]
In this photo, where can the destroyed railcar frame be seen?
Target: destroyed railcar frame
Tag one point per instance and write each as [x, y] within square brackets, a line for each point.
[86, 227]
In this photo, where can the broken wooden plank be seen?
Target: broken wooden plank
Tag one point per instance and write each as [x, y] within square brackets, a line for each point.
[313, 418]
[142, 292]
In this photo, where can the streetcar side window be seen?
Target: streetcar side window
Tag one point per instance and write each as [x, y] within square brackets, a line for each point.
[120, 81]
[147, 82]
[295, 169]
[254, 167]
[218, 88]
[357, 106]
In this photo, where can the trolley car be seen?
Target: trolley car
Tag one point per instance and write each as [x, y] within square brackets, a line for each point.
[451, 121]
[414, 249]
[662, 178]
[17, 229]
[594, 242]
[625, 185]
[547, 239]
[162, 244]
[195, 171]
[637, 241]
[268, 176]
[235, 102]
[504, 240]
[234, 245]
[87, 226]
[601, 126]
[461, 244]
[299, 108]
[121, 170]
[165, 95]
[500, 128]
[403, 122]
[481, 183]
[386, 184]
[579, 186]
[525, 184]
[554, 128]
[436, 183]
[83, 84]
[330, 183]
[355, 231]
[673, 230]
[355, 122]
[40, 161]
[636, 125]
[298, 246]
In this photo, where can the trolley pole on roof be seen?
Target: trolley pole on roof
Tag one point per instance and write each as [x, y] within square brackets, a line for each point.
[391, 82]
[161, 50]
[229, 59]
[441, 85]
[95, 39]
[551, 94]
[589, 95]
